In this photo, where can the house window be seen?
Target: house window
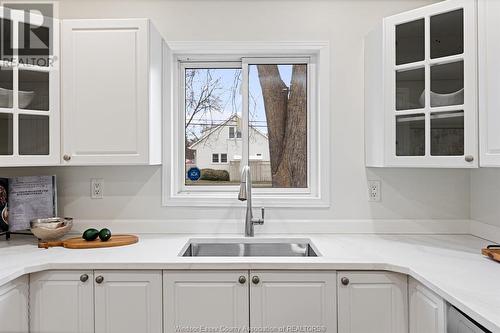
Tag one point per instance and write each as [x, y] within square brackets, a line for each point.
[271, 104]
[233, 131]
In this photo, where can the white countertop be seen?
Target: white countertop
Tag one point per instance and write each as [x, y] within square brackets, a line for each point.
[450, 265]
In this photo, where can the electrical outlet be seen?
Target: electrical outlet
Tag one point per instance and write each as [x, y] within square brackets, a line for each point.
[374, 190]
[96, 188]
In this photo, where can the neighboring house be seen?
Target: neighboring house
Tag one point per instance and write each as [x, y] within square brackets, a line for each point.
[221, 147]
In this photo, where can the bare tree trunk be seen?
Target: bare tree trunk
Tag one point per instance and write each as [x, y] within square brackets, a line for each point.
[287, 124]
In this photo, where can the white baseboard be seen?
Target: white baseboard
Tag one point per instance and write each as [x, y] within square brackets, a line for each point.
[389, 226]
[484, 230]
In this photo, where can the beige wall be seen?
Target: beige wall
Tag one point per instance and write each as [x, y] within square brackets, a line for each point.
[134, 193]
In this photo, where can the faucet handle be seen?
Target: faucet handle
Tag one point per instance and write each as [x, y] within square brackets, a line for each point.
[261, 220]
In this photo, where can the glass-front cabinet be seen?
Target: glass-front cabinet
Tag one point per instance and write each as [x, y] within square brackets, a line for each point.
[427, 111]
[29, 89]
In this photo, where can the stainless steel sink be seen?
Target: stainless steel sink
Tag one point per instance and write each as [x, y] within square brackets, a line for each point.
[251, 248]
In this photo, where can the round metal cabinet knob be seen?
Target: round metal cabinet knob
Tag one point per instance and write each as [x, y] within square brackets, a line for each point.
[99, 279]
[84, 277]
[469, 158]
[255, 280]
[242, 279]
[344, 281]
[66, 157]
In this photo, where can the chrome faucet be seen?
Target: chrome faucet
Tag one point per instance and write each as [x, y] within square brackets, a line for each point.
[246, 195]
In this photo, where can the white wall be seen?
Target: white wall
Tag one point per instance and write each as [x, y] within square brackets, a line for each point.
[218, 142]
[485, 207]
[134, 193]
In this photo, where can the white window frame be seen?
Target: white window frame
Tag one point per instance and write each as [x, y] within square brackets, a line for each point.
[235, 129]
[175, 193]
[219, 158]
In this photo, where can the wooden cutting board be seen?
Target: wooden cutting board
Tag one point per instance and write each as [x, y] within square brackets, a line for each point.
[80, 243]
[493, 253]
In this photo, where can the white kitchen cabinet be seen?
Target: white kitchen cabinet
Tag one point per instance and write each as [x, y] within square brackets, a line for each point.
[205, 299]
[128, 301]
[14, 306]
[374, 302]
[100, 301]
[29, 92]
[293, 299]
[421, 88]
[111, 92]
[489, 82]
[62, 302]
[257, 299]
[427, 311]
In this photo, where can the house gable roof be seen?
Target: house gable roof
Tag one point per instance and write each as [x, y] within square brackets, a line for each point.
[216, 128]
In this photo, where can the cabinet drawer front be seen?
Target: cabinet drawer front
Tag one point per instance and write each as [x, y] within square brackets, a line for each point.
[373, 302]
[295, 299]
[205, 299]
[128, 301]
[60, 302]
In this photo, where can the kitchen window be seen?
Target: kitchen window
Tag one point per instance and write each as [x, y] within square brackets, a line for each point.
[270, 104]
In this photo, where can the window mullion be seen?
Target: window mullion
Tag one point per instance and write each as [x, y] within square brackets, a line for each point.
[245, 116]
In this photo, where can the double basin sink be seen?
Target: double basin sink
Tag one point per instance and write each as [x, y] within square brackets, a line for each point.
[236, 247]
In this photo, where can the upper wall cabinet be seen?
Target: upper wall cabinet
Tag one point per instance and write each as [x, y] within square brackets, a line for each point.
[29, 89]
[489, 82]
[111, 92]
[421, 89]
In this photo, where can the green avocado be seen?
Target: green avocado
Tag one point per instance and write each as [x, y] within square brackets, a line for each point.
[90, 234]
[105, 234]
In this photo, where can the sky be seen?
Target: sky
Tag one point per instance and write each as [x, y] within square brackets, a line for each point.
[232, 106]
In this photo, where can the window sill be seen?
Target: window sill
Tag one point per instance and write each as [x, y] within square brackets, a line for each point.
[193, 199]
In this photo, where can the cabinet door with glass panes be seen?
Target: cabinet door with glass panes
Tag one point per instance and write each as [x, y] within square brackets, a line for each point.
[29, 83]
[430, 86]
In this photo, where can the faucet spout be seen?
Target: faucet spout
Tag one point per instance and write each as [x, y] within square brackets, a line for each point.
[242, 195]
[245, 194]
